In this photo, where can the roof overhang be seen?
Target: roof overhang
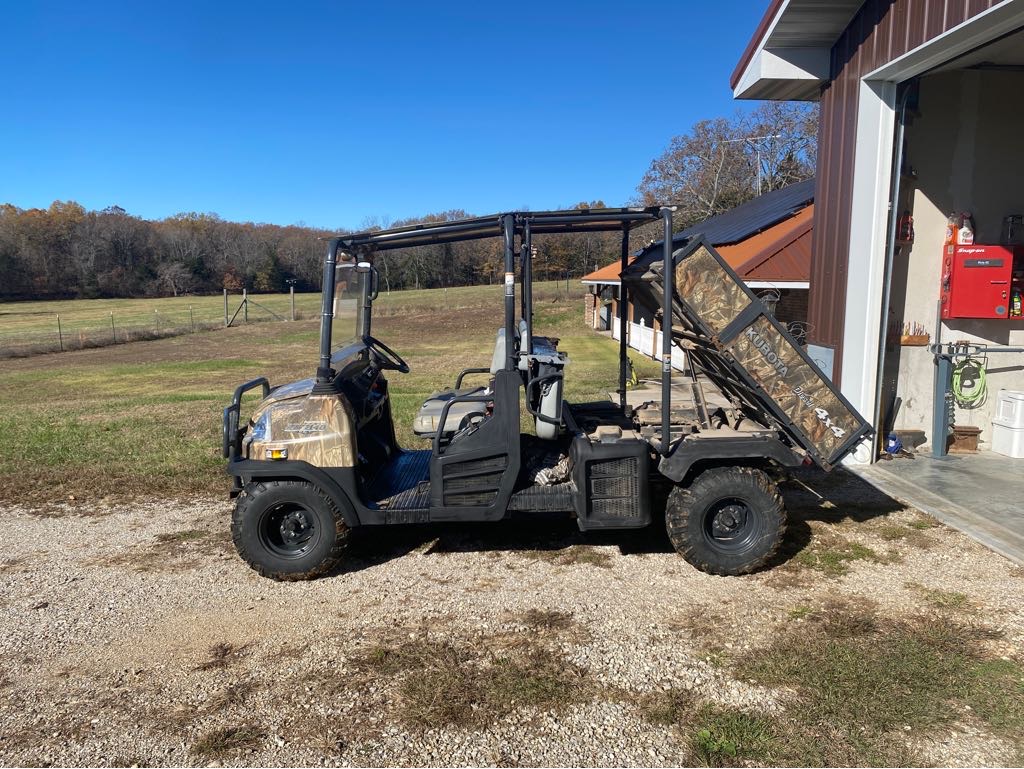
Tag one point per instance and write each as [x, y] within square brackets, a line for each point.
[789, 57]
[784, 284]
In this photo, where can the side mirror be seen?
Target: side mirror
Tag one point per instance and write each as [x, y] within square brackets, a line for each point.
[374, 278]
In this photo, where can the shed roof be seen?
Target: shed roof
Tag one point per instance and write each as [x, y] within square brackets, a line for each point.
[767, 238]
[607, 274]
[782, 253]
[741, 222]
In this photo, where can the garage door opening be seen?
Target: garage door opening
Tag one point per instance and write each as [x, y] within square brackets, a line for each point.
[961, 161]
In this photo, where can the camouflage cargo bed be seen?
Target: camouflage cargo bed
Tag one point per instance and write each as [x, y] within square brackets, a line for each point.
[755, 362]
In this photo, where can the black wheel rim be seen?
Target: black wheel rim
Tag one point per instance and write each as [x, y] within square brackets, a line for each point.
[289, 530]
[730, 525]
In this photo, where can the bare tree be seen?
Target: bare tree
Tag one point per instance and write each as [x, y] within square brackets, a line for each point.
[718, 164]
[175, 277]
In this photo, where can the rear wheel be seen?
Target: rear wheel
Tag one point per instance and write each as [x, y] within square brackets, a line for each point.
[288, 530]
[729, 521]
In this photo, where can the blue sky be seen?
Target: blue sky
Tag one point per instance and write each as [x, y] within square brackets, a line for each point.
[329, 113]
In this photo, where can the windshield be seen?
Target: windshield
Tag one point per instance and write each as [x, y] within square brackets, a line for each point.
[350, 286]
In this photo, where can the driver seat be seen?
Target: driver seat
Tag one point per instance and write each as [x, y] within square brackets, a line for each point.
[462, 413]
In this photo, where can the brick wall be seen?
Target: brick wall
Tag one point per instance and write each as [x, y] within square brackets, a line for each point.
[792, 305]
[590, 304]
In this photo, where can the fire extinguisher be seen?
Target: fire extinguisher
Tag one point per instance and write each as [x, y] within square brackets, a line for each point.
[905, 228]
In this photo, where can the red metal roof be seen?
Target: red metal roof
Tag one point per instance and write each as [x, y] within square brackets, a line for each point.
[607, 274]
[782, 252]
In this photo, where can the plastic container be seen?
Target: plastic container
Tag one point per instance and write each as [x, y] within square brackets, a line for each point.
[1008, 424]
[1008, 441]
[1009, 409]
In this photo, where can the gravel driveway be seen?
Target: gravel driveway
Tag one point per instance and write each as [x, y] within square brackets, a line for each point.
[131, 634]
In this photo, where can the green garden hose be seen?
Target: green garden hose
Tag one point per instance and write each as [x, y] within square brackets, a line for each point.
[969, 386]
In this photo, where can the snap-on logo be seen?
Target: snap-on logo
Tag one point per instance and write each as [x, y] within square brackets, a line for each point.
[766, 350]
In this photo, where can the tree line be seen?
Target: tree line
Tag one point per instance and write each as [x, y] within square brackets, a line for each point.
[67, 251]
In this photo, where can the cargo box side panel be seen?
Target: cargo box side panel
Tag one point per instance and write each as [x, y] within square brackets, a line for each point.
[764, 355]
[806, 399]
[706, 286]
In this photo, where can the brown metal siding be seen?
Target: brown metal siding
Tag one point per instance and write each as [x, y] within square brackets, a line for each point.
[881, 31]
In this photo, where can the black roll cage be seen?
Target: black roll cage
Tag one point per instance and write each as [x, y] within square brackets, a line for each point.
[509, 226]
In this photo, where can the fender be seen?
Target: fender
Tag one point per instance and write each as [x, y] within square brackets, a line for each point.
[678, 463]
[243, 469]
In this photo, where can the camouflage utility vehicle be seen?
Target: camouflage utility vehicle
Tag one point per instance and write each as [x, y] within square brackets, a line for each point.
[319, 457]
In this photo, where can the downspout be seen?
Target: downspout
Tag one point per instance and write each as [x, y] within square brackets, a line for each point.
[890, 255]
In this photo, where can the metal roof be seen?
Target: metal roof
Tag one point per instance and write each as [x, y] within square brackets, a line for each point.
[738, 223]
[781, 253]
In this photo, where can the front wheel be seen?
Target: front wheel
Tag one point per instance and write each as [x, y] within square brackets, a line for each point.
[729, 521]
[288, 530]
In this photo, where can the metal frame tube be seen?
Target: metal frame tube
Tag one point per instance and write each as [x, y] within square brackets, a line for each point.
[509, 235]
[623, 319]
[526, 263]
[667, 275]
[324, 372]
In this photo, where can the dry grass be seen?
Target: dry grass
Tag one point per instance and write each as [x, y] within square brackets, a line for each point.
[439, 683]
[832, 554]
[857, 681]
[942, 599]
[547, 620]
[221, 655]
[230, 696]
[861, 679]
[570, 556]
[911, 534]
[171, 552]
[227, 741]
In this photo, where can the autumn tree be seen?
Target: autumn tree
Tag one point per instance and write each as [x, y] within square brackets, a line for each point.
[720, 163]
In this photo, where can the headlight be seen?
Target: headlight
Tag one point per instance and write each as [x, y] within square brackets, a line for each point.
[259, 428]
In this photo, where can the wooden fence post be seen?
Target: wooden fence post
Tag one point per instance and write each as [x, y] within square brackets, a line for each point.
[60, 334]
[113, 333]
[225, 308]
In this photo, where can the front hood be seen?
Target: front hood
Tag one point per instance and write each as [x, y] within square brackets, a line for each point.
[299, 389]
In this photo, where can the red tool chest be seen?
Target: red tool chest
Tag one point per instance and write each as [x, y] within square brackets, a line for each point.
[978, 281]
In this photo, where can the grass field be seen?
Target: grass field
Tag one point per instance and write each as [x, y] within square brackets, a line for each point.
[32, 327]
[144, 418]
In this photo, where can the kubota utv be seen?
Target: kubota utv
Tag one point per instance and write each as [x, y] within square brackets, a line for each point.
[318, 457]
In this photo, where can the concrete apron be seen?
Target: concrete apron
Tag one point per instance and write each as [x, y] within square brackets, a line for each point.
[981, 494]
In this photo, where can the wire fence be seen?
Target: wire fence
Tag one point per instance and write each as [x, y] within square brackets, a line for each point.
[33, 329]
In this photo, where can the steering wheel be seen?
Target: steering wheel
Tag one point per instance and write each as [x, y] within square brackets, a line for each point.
[387, 357]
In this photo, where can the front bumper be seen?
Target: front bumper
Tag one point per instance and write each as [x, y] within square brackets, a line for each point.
[232, 434]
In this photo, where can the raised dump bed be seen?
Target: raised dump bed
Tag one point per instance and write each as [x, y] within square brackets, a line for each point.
[751, 357]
